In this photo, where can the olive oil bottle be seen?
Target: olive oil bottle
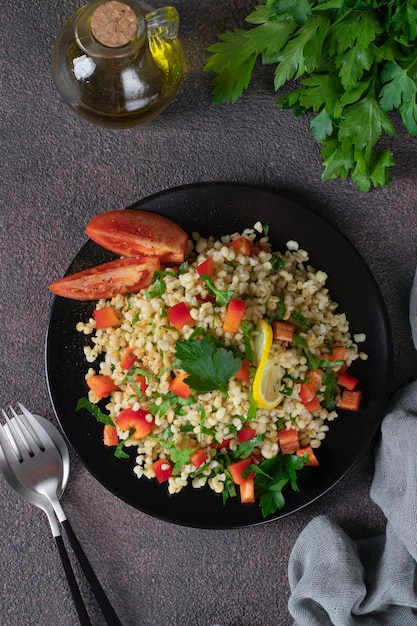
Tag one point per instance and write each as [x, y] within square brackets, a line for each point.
[118, 64]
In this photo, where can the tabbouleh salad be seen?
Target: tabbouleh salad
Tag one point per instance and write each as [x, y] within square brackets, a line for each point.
[226, 371]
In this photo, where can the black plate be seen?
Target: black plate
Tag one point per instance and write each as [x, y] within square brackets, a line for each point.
[218, 209]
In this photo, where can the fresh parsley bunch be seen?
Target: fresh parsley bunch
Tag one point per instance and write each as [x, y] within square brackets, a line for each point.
[356, 60]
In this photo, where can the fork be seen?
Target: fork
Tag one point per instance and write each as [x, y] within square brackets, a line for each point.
[35, 462]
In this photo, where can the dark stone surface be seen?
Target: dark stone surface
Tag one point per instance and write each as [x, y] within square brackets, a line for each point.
[57, 172]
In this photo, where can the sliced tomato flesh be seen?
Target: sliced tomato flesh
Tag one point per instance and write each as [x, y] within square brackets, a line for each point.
[132, 232]
[119, 277]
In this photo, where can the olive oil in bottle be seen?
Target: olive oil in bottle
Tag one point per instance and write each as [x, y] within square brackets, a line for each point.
[117, 65]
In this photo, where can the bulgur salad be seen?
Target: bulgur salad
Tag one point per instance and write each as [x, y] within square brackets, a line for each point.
[226, 371]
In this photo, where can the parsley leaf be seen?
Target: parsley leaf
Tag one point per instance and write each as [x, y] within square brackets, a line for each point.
[209, 367]
[271, 476]
[103, 418]
[223, 297]
[356, 61]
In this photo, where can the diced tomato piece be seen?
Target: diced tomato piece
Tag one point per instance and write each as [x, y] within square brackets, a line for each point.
[312, 459]
[282, 331]
[313, 405]
[338, 354]
[180, 387]
[132, 233]
[106, 317]
[246, 434]
[241, 245]
[122, 276]
[222, 445]
[237, 468]
[198, 457]
[206, 267]
[243, 374]
[139, 383]
[139, 420]
[310, 387]
[288, 441]
[179, 315]
[110, 437]
[247, 490]
[350, 400]
[347, 380]
[207, 298]
[162, 469]
[101, 385]
[128, 359]
[234, 315]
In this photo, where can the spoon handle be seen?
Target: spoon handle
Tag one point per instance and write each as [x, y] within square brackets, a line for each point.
[102, 599]
[78, 601]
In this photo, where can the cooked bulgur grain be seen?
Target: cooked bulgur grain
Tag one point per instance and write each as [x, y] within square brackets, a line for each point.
[273, 285]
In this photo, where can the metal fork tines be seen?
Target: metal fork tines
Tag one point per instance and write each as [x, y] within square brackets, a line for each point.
[34, 460]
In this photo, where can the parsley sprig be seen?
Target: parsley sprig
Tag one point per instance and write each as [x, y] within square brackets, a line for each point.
[357, 62]
[209, 367]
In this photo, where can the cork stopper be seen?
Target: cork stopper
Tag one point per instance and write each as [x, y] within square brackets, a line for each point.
[114, 24]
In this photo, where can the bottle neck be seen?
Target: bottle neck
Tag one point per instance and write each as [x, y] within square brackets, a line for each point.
[110, 29]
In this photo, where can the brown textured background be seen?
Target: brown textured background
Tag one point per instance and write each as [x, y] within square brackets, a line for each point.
[57, 172]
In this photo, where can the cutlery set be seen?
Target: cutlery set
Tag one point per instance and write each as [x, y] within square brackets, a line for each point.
[34, 460]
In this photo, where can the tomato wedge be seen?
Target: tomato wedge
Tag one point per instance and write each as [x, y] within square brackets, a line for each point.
[108, 279]
[131, 232]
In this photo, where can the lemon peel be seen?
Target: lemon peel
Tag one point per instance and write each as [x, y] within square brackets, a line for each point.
[268, 373]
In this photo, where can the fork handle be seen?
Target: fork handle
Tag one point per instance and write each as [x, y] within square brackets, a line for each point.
[79, 602]
[102, 599]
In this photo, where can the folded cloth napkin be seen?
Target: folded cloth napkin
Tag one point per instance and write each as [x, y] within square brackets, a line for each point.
[373, 582]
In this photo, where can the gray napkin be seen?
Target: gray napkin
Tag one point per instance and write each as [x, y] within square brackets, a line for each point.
[336, 581]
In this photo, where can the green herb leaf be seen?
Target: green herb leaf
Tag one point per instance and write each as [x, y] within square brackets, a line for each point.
[223, 297]
[208, 366]
[356, 61]
[271, 476]
[103, 418]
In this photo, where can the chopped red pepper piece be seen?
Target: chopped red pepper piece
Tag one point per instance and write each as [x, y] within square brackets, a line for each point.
[138, 420]
[241, 245]
[206, 267]
[348, 381]
[179, 315]
[101, 385]
[198, 457]
[310, 387]
[311, 457]
[282, 331]
[105, 317]
[162, 469]
[338, 354]
[246, 434]
[139, 384]
[288, 441]
[128, 359]
[243, 373]
[350, 400]
[110, 437]
[234, 315]
[180, 387]
[237, 468]
[313, 405]
[247, 490]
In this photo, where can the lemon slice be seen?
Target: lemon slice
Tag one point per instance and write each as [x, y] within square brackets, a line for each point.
[266, 384]
[262, 342]
[268, 375]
